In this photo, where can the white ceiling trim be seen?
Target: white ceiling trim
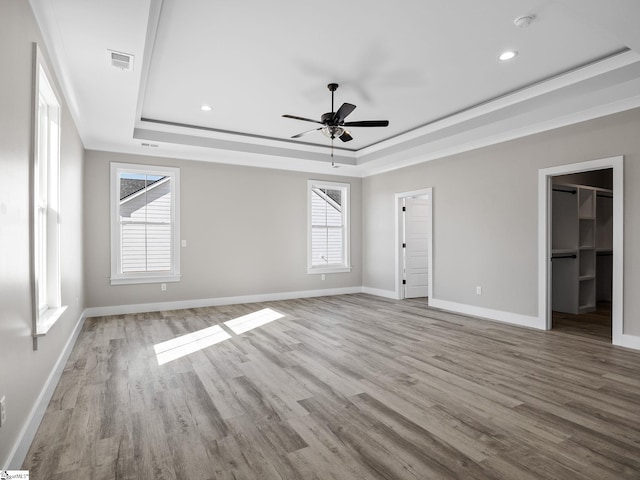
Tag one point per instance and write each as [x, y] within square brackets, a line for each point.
[541, 88]
[458, 133]
[384, 165]
[155, 9]
[599, 88]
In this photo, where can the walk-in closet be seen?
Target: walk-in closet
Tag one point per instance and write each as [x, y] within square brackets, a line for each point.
[582, 253]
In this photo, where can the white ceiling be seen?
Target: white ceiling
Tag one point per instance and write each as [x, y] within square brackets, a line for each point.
[429, 67]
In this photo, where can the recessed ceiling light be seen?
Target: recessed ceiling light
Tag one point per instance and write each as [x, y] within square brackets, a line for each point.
[508, 55]
[205, 108]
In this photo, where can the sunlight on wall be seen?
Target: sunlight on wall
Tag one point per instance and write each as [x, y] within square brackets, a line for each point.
[253, 320]
[189, 343]
[193, 342]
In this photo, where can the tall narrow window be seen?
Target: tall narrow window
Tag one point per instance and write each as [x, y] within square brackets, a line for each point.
[328, 227]
[145, 234]
[47, 304]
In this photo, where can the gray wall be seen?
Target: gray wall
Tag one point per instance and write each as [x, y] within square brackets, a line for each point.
[246, 233]
[23, 372]
[485, 215]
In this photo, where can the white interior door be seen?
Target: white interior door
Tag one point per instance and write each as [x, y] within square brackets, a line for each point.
[416, 264]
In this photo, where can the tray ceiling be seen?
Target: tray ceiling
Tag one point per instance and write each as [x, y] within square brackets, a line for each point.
[431, 68]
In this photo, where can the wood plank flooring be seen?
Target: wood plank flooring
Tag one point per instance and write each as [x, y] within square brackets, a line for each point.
[346, 387]
[595, 325]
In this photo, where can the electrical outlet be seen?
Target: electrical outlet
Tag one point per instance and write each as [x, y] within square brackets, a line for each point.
[478, 290]
[3, 411]
[323, 276]
[163, 287]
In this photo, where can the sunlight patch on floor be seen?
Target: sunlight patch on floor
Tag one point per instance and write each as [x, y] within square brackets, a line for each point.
[193, 342]
[252, 320]
[189, 343]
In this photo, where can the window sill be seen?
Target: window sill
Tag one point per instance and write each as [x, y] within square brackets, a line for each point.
[335, 269]
[47, 320]
[145, 279]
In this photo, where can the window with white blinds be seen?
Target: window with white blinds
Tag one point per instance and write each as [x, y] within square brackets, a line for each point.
[145, 227]
[328, 227]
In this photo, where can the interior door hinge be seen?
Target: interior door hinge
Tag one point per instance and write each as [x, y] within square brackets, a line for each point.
[404, 209]
[404, 282]
[404, 245]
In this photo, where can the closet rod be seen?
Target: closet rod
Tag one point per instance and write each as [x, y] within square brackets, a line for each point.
[572, 192]
[555, 257]
[601, 254]
[605, 195]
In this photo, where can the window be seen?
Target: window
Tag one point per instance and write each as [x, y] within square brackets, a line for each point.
[145, 227]
[47, 303]
[328, 227]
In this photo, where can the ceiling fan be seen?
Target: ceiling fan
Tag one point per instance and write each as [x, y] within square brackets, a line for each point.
[333, 124]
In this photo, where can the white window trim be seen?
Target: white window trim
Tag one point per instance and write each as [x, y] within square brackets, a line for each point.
[118, 278]
[45, 316]
[346, 267]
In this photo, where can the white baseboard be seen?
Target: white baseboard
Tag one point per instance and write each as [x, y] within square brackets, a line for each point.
[497, 315]
[380, 293]
[25, 438]
[215, 302]
[631, 341]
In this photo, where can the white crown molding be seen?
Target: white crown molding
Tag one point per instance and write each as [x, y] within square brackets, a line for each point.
[383, 165]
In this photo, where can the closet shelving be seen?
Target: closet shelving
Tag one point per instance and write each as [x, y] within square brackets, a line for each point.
[581, 247]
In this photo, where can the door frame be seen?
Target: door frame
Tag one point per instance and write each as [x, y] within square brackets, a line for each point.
[399, 197]
[544, 239]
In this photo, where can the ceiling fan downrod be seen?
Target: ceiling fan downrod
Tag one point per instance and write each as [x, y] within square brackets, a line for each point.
[332, 88]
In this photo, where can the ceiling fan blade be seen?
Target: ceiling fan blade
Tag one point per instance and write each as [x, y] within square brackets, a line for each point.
[345, 137]
[307, 132]
[342, 112]
[302, 118]
[367, 123]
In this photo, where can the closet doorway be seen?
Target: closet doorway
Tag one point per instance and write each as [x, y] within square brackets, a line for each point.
[578, 221]
[582, 253]
[414, 241]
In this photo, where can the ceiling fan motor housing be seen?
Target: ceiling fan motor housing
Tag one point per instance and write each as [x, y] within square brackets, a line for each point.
[326, 118]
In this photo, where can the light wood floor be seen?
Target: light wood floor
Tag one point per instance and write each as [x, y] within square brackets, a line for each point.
[348, 387]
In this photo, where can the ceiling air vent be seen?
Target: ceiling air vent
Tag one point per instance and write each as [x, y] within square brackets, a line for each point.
[120, 60]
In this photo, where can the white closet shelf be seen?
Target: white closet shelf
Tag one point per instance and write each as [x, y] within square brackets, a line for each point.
[560, 251]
